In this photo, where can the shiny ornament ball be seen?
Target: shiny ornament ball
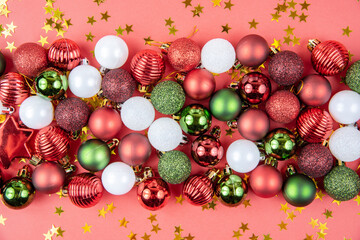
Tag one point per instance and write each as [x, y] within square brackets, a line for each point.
[255, 87]
[342, 183]
[314, 90]
[94, 155]
[48, 177]
[243, 156]
[198, 190]
[111, 52]
[218, 55]
[231, 190]
[344, 144]
[30, 59]
[174, 167]
[36, 112]
[252, 50]
[184, 54]
[344, 107]
[352, 77]
[286, 68]
[207, 151]
[280, 143]
[283, 106]
[137, 113]
[64, 54]
[315, 160]
[165, 134]
[105, 123]
[51, 83]
[134, 149]
[72, 114]
[118, 85]
[199, 84]
[84, 81]
[13, 89]
[168, 97]
[195, 119]
[253, 124]
[2, 64]
[118, 178]
[299, 190]
[225, 104]
[153, 193]
[266, 181]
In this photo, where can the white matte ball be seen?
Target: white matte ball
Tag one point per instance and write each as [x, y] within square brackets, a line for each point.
[165, 134]
[344, 107]
[84, 81]
[243, 156]
[137, 113]
[118, 178]
[36, 112]
[111, 52]
[344, 144]
[218, 55]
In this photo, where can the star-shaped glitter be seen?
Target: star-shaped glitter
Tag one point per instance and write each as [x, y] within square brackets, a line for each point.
[283, 7]
[105, 16]
[49, 3]
[282, 225]
[350, 59]
[60, 33]
[132, 236]
[296, 41]
[246, 203]
[299, 209]
[6, 33]
[67, 23]
[314, 222]
[128, 29]
[57, 14]
[212, 205]
[293, 14]
[123, 222]
[11, 27]
[225, 28]
[178, 229]
[229, 132]
[48, 235]
[48, 9]
[189, 237]
[267, 237]
[302, 17]
[87, 228]
[276, 43]
[58, 26]
[275, 16]
[228, 5]
[205, 207]
[58, 210]
[244, 227]
[5, 11]
[291, 4]
[169, 22]
[237, 234]
[253, 237]
[216, 3]
[148, 40]
[187, 3]
[60, 232]
[195, 13]
[336, 202]
[199, 8]
[155, 228]
[172, 30]
[49, 21]
[291, 216]
[289, 30]
[319, 195]
[287, 40]
[46, 27]
[110, 207]
[322, 226]
[10, 46]
[304, 5]
[98, 2]
[54, 229]
[284, 207]
[308, 237]
[253, 24]
[91, 20]
[321, 235]
[328, 213]
[346, 31]
[2, 220]
[102, 212]
[146, 237]
[152, 218]
[89, 37]
[179, 199]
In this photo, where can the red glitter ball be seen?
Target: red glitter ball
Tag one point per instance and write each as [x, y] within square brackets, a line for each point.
[184, 54]
[118, 85]
[315, 160]
[283, 106]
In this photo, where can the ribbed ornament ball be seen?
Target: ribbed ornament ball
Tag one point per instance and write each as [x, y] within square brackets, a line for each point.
[198, 190]
[13, 89]
[64, 54]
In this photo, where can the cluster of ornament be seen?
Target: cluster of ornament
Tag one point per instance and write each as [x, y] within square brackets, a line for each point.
[247, 105]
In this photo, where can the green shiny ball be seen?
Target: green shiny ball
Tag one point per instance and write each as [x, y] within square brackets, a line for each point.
[2, 64]
[225, 104]
[17, 193]
[299, 190]
[94, 155]
[195, 119]
[174, 167]
[231, 190]
[168, 97]
[353, 77]
[280, 144]
[342, 183]
[51, 83]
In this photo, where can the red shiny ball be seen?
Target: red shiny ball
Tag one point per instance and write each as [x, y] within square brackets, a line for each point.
[255, 87]
[184, 54]
[253, 124]
[153, 193]
[134, 149]
[198, 190]
[64, 54]
[105, 123]
[266, 181]
[199, 84]
[315, 160]
[314, 90]
[207, 151]
[118, 85]
[30, 59]
[48, 177]
[283, 106]
[252, 50]
[13, 89]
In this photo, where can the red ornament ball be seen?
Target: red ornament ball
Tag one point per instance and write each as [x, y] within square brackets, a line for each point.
[72, 114]
[283, 106]
[48, 177]
[184, 54]
[153, 193]
[198, 190]
[255, 88]
[315, 160]
[30, 59]
[64, 54]
[253, 124]
[118, 85]
[105, 123]
[286, 68]
[13, 89]
[207, 151]
[199, 84]
[134, 149]
[314, 90]
[266, 181]
[252, 50]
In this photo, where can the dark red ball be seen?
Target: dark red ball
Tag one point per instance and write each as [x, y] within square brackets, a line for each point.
[184, 54]
[315, 160]
[253, 124]
[153, 193]
[283, 106]
[286, 68]
[255, 88]
[48, 177]
[118, 85]
[252, 50]
[266, 181]
[199, 84]
[30, 59]
[207, 151]
[314, 90]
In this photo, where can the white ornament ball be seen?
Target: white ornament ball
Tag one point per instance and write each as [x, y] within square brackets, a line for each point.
[243, 156]
[344, 144]
[84, 81]
[36, 112]
[137, 113]
[165, 134]
[111, 52]
[118, 178]
[344, 107]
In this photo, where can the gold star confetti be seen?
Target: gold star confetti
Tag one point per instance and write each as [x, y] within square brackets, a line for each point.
[67, 23]
[146, 237]
[276, 43]
[152, 218]
[11, 27]
[357, 199]
[189, 237]
[60, 193]
[58, 26]
[225, 28]
[58, 210]
[289, 30]
[292, 4]
[283, 7]
[105, 16]
[60, 232]
[48, 9]
[287, 40]
[299, 209]
[148, 40]
[293, 14]
[253, 237]
[178, 229]
[110, 207]
[89, 37]
[346, 31]
[199, 8]
[275, 17]
[284, 207]
[246, 203]
[267, 237]
[228, 5]
[322, 226]
[98, 2]
[102, 213]
[49, 21]
[195, 13]
[246, 177]
[187, 3]
[91, 20]
[314, 222]
[155, 228]
[60, 33]
[87, 228]
[178, 237]
[128, 29]
[5, 11]
[244, 227]
[321, 235]
[57, 14]
[337, 202]
[328, 213]
[308, 237]
[43, 40]
[296, 41]
[54, 229]
[291, 215]
[123, 222]
[6, 33]
[168, 22]
[253, 24]
[212, 205]
[10, 46]
[49, 3]
[282, 225]
[304, 5]
[132, 236]
[350, 59]
[1, 29]
[319, 195]
[179, 199]
[216, 3]
[237, 234]
[205, 207]
[229, 132]
[303, 17]
[2, 220]
[172, 30]
[48, 235]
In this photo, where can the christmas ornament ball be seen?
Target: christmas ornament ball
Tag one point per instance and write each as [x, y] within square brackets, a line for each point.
[105, 123]
[280, 143]
[314, 90]
[184, 54]
[153, 193]
[283, 106]
[30, 59]
[207, 150]
[51, 83]
[118, 85]
[299, 190]
[225, 104]
[195, 119]
[266, 181]
[198, 190]
[134, 149]
[255, 88]
[252, 50]
[352, 77]
[231, 190]
[48, 177]
[174, 167]
[199, 84]
[64, 54]
[253, 124]
[94, 155]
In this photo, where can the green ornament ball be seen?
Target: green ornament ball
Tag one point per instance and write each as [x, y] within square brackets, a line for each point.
[280, 143]
[174, 167]
[168, 97]
[195, 119]
[94, 155]
[2, 64]
[51, 83]
[299, 190]
[342, 183]
[353, 77]
[231, 190]
[17, 193]
[225, 104]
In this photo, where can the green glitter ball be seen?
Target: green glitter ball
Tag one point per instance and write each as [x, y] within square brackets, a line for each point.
[231, 190]
[225, 104]
[280, 144]
[51, 83]
[174, 167]
[168, 97]
[195, 119]
[342, 183]
[353, 77]
[17, 193]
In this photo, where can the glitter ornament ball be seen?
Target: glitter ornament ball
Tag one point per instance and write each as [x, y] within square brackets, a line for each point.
[344, 107]
[134, 149]
[225, 104]
[352, 77]
[165, 134]
[283, 106]
[255, 88]
[105, 123]
[266, 181]
[51, 83]
[198, 190]
[174, 167]
[30, 59]
[153, 193]
[13, 89]
[207, 151]
[168, 97]
[137, 113]
[252, 50]
[2, 64]
[184, 54]
[64, 54]
[231, 190]
[195, 119]
[94, 155]
[314, 90]
[199, 84]
[253, 124]
[118, 85]
[48, 177]
[286, 68]
[344, 144]
[280, 143]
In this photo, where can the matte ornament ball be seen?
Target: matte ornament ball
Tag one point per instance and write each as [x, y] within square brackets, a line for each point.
[153, 193]
[2, 64]
[105, 123]
[84, 81]
[64, 54]
[280, 144]
[225, 105]
[118, 85]
[111, 52]
[283, 106]
[243, 156]
[94, 155]
[36, 112]
[134, 149]
[266, 181]
[255, 88]
[199, 84]
[352, 77]
[252, 50]
[184, 54]
[299, 190]
[174, 167]
[118, 178]
[195, 119]
[253, 124]
[231, 190]
[207, 151]
[51, 83]
[48, 177]
[314, 90]
[344, 107]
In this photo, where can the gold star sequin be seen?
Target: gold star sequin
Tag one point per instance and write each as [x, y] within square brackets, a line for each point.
[98, 2]
[276, 43]
[46, 28]
[132, 236]
[43, 40]
[216, 3]
[244, 227]
[314, 222]
[58, 210]
[123, 222]
[337, 202]
[291, 216]
[54, 229]
[119, 30]
[57, 14]
[328, 213]
[49, 21]
[302, 17]
[299, 209]
[48, 10]
[283, 7]
[308, 237]
[275, 16]
[304, 5]
[48, 235]
[87, 228]
[146, 237]
[91, 20]
[292, 4]
[155, 228]
[289, 30]
[296, 41]
[195, 13]
[205, 207]
[60, 33]
[293, 14]
[228, 5]
[282, 225]
[357, 199]
[179, 199]
[60, 193]
[229, 132]
[225, 28]
[105, 16]
[246, 177]
[189, 237]
[237, 234]
[322, 226]
[267, 237]
[350, 59]
[110, 207]
[168, 22]
[321, 235]
[128, 28]
[284, 207]
[10, 46]
[148, 40]
[89, 37]
[178, 229]
[253, 24]
[2, 220]
[67, 23]
[246, 203]
[346, 31]
[5, 11]
[60, 232]
[287, 40]
[58, 26]
[172, 30]
[253, 237]
[49, 3]
[319, 195]
[102, 212]
[199, 8]
[6, 33]
[187, 3]
[152, 218]
[212, 205]
[11, 27]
